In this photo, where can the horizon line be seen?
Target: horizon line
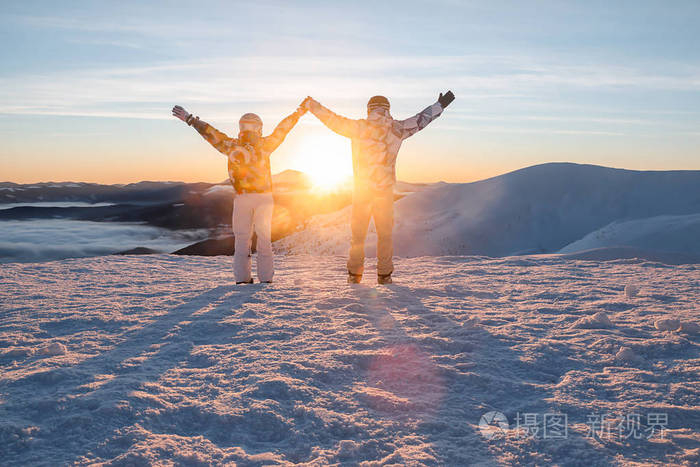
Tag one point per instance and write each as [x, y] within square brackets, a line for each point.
[397, 181]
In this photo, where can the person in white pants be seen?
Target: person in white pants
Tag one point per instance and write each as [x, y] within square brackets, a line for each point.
[249, 172]
[252, 211]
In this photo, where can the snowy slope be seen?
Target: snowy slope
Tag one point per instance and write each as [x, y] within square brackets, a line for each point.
[144, 360]
[539, 209]
[676, 233]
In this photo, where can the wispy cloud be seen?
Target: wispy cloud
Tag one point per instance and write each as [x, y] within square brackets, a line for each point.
[515, 129]
[140, 25]
[558, 118]
[132, 92]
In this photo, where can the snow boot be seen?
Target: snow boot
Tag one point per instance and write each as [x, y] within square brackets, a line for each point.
[246, 282]
[383, 279]
[354, 278]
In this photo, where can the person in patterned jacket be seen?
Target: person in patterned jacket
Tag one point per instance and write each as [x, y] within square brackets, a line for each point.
[249, 173]
[375, 144]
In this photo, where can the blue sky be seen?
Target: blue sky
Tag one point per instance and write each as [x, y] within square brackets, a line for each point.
[87, 86]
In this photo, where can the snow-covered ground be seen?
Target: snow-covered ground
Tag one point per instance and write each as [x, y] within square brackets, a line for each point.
[161, 359]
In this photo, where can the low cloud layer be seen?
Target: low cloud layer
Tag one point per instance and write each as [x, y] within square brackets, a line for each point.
[46, 240]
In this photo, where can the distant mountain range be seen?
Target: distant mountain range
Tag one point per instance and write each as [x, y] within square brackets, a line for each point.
[550, 208]
[176, 206]
[172, 205]
[141, 192]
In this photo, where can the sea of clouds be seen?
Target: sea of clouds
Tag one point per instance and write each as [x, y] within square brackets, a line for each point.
[53, 239]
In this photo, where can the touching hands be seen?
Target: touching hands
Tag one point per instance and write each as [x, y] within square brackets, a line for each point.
[182, 114]
[446, 99]
[303, 107]
[306, 103]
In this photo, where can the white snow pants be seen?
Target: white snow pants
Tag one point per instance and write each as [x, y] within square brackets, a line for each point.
[252, 210]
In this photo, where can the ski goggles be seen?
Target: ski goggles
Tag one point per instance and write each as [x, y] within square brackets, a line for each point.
[378, 109]
[250, 126]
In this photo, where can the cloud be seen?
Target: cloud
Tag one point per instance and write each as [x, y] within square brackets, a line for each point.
[46, 240]
[274, 79]
[127, 25]
[557, 118]
[519, 129]
[495, 88]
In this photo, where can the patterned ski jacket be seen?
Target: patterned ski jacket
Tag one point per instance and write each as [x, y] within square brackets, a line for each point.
[375, 141]
[248, 165]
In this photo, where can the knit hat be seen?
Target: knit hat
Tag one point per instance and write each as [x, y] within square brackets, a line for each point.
[250, 121]
[378, 102]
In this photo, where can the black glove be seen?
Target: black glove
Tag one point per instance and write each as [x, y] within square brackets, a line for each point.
[446, 99]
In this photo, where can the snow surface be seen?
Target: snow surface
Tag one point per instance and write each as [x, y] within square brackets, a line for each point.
[627, 252]
[161, 359]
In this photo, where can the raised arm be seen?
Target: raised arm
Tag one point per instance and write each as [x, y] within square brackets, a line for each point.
[215, 137]
[343, 126]
[413, 125]
[275, 138]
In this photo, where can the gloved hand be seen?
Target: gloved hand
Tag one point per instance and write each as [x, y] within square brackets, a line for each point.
[446, 99]
[182, 114]
[303, 108]
[306, 103]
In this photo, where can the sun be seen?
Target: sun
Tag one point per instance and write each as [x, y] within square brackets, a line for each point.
[327, 160]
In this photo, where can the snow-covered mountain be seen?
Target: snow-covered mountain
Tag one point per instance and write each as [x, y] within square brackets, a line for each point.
[539, 209]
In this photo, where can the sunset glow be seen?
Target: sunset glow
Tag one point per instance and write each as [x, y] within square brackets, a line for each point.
[327, 160]
[87, 87]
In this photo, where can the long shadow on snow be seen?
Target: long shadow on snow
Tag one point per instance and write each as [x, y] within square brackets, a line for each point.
[474, 356]
[44, 398]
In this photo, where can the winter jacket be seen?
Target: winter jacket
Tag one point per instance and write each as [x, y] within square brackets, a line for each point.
[375, 141]
[248, 165]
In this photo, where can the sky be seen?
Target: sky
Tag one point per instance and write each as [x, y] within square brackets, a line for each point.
[86, 88]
